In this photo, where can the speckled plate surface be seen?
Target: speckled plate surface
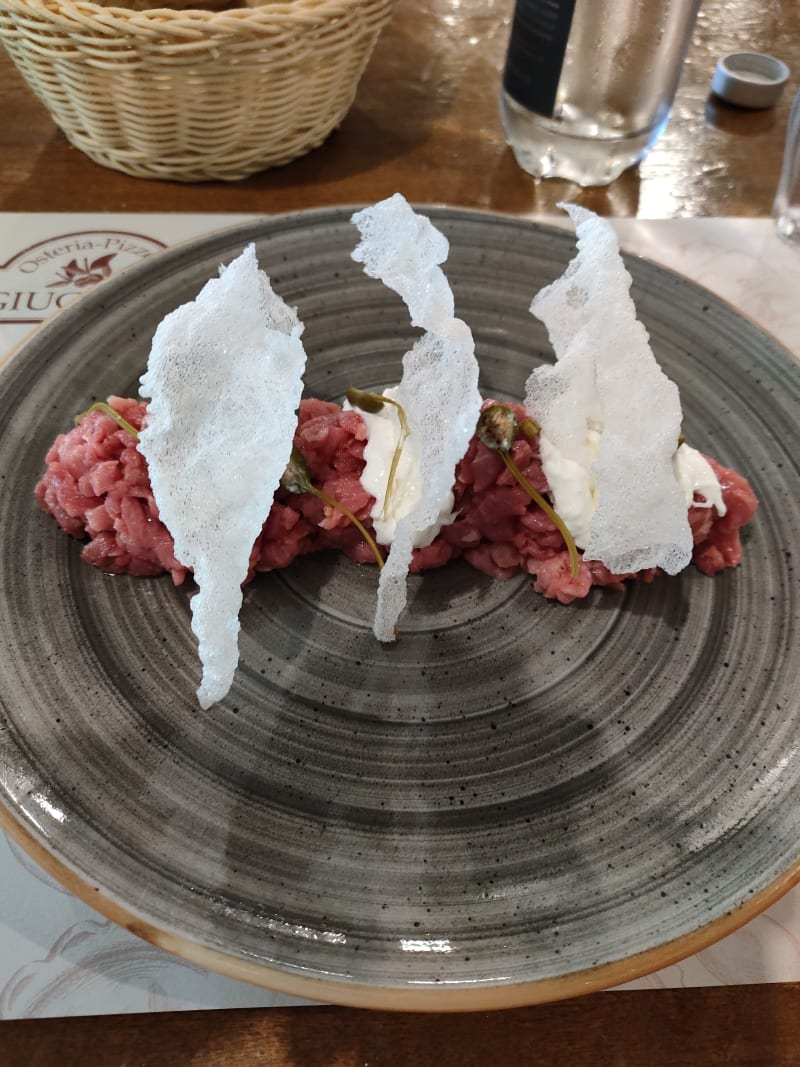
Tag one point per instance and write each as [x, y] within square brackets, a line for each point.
[519, 800]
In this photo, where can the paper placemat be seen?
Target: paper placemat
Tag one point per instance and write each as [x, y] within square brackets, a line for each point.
[60, 958]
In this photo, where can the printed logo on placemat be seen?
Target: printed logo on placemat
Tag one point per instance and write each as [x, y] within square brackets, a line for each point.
[50, 274]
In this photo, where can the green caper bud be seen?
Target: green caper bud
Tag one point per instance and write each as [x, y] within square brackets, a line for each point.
[295, 478]
[372, 403]
[498, 427]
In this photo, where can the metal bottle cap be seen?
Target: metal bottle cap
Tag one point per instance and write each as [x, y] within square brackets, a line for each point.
[750, 79]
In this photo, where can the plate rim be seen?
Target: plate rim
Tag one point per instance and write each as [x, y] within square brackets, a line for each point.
[426, 996]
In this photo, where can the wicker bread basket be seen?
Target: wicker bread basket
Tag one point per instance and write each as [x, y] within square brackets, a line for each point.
[193, 94]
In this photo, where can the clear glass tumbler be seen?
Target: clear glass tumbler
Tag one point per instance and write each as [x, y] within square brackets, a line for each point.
[786, 209]
[588, 84]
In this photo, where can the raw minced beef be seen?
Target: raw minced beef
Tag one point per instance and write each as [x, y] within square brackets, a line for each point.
[96, 486]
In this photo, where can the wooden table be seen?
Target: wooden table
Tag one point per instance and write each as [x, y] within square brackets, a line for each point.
[425, 122]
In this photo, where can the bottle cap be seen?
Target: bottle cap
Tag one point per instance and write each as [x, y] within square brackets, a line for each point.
[750, 79]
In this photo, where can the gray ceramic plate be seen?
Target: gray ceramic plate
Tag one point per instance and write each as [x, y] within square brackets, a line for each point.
[519, 800]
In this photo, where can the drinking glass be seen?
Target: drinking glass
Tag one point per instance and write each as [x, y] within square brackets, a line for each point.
[786, 209]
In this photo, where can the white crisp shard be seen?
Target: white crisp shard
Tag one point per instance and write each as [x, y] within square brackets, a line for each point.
[224, 380]
[606, 374]
[439, 387]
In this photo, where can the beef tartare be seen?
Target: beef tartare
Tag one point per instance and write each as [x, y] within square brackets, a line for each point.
[97, 488]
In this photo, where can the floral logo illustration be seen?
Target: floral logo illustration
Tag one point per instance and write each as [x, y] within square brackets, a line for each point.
[85, 274]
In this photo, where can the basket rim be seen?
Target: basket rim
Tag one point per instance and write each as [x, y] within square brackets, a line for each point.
[267, 10]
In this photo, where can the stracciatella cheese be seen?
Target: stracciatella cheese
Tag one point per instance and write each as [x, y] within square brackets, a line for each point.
[696, 476]
[384, 433]
[573, 486]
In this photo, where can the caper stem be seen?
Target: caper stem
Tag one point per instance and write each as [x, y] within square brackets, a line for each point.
[539, 500]
[398, 451]
[296, 479]
[348, 514]
[497, 429]
[372, 404]
[112, 414]
[401, 414]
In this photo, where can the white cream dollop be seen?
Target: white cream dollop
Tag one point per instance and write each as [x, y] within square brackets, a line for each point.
[573, 487]
[696, 475]
[383, 434]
